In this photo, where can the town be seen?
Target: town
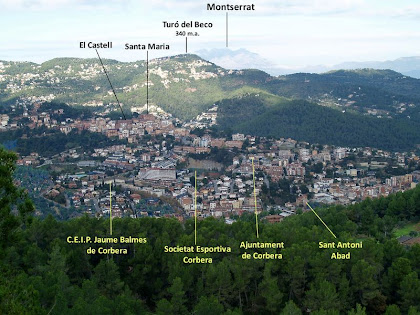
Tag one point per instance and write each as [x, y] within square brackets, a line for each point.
[160, 160]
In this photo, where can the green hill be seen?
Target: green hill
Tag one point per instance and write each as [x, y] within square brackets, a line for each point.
[360, 90]
[186, 85]
[302, 120]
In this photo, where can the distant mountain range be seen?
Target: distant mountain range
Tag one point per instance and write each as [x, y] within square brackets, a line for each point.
[366, 107]
[236, 59]
[407, 65]
[244, 59]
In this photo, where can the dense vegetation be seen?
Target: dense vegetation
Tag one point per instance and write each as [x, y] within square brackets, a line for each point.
[43, 274]
[59, 142]
[53, 108]
[380, 89]
[36, 181]
[49, 142]
[305, 121]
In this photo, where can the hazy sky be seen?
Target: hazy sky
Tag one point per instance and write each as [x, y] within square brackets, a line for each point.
[286, 32]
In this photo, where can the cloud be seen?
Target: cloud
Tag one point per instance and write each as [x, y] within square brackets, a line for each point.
[403, 9]
[60, 4]
[263, 7]
[373, 8]
[268, 7]
[188, 5]
[308, 7]
[408, 12]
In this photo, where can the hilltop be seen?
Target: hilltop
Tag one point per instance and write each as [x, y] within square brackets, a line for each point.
[382, 103]
[184, 85]
[269, 115]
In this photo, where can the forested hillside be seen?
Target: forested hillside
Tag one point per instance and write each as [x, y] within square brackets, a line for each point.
[358, 89]
[262, 115]
[186, 85]
[44, 274]
[49, 142]
[373, 107]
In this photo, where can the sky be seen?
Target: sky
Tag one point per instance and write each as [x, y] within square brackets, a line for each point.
[288, 33]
